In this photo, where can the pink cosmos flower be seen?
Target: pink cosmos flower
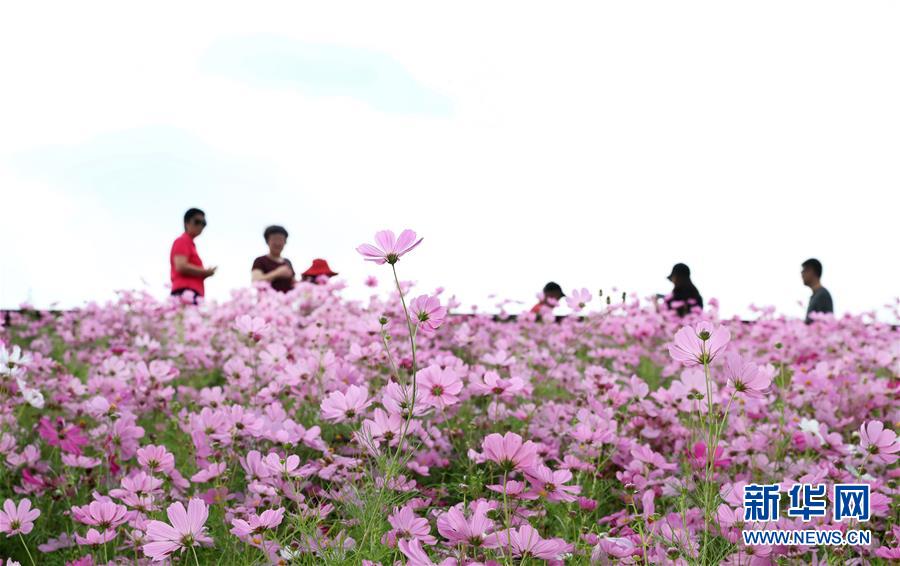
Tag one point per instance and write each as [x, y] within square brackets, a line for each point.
[254, 465]
[509, 451]
[439, 387]
[454, 526]
[371, 281]
[84, 462]
[499, 358]
[587, 504]
[398, 400]
[728, 518]
[416, 555]
[388, 248]
[885, 551]
[211, 471]
[610, 550]
[216, 496]
[407, 526]
[578, 299]
[343, 407]
[255, 524]
[513, 490]
[138, 490]
[384, 426]
[253, 327]
[125, 433]
[187, 530]
[746, 376]
[699, 456]
[157, 459]
[56, 433]
[700, 344]
[282, 466]
[427, 313]
[879, 442]
[54, 544]
[527, 542]
[104, 514]
[492, 384]
[94, 537]
[551, 485]
[19, 519]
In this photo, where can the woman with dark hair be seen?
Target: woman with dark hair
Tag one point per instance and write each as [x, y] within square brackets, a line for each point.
[271, 267]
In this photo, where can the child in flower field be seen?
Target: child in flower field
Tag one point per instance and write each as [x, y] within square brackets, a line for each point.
[391, 432]
[551, 295]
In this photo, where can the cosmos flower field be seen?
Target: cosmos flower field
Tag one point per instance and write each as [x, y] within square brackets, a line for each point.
[305, 428]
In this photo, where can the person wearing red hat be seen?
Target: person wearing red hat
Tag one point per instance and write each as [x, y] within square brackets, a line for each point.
[277, 270]
[318, 272]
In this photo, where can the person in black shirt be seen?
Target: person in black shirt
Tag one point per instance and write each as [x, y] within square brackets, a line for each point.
[820, 301]
[685, 295]
[272, 267]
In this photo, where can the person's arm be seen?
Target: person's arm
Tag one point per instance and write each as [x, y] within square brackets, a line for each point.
[258, 275]
[183, 267]
[277, 273]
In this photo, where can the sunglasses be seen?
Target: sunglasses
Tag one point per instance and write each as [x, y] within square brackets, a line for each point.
[199, 221]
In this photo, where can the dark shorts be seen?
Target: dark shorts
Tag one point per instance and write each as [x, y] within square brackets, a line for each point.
[179, 292]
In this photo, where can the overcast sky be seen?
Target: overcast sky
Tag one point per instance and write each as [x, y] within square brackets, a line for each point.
[594, 144]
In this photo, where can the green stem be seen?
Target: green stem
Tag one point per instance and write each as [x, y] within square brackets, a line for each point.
[506, 523]
[710, 455]
[721, 425]
[28, 552]
[194, 552]
[412, 344]
[387, 351]
[782, 443]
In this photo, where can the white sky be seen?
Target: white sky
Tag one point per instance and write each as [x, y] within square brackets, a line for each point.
[595, 144]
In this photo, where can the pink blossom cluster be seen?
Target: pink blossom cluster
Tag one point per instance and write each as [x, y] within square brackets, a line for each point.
[305, 428]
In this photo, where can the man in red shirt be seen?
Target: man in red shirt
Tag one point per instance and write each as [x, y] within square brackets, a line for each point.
[187, 269]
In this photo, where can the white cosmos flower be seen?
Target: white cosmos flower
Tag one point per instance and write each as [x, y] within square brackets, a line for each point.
[34, 398]
[811, 426]
[10, 360]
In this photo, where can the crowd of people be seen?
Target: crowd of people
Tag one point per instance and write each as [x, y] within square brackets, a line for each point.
[685, 298]
[188, 273]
